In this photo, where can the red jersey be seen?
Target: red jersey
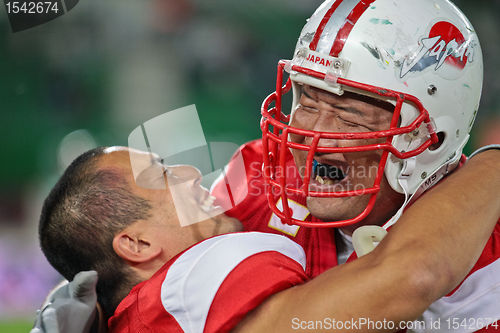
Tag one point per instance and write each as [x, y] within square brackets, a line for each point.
[472, 305]
[248, 203]
[211, 286]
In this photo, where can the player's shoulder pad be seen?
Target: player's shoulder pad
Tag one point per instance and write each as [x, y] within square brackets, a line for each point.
[193, 280]
[252, 148]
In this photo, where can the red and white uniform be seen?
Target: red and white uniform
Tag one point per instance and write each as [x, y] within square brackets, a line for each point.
[253, 210]
[475, 303]
[477, 299]
[211, 286]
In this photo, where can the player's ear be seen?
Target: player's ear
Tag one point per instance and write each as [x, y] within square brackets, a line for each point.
[132, 246]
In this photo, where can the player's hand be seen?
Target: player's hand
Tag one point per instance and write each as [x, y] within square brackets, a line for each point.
[70, 307]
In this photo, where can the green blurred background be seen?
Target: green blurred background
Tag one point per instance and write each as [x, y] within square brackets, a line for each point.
[91, 76]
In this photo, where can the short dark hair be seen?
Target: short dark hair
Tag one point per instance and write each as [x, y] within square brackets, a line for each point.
[84, 211]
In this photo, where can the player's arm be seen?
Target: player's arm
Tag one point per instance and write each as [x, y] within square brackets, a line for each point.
[429, 251]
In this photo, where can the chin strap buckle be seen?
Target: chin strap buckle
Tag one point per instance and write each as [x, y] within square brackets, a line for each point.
[366, 238]
[408, 167]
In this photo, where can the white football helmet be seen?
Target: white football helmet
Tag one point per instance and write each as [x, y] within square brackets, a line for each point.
[422, 56]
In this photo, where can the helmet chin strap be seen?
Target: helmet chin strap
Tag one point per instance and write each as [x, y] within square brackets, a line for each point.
[427, 183]
[366, 238]
[406, 172]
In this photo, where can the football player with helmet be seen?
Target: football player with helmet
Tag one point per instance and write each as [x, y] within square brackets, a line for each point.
[385, 94]
[393, 84]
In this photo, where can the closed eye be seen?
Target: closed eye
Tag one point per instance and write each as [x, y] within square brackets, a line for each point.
[304, 91]
[307, 108]
[355, 125]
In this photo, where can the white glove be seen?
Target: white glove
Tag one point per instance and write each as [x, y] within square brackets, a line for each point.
[70, 307]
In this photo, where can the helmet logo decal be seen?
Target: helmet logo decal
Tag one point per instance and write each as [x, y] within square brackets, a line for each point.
[446, 45]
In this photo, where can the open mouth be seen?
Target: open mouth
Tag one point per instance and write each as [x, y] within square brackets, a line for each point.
[326, 174]
[208, 204]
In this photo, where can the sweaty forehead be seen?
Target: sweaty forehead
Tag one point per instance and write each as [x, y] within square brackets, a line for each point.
[347, 97]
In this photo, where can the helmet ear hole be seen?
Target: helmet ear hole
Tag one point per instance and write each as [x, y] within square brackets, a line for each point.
[441, 136]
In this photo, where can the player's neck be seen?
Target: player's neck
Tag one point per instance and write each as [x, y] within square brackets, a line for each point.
[383, 211]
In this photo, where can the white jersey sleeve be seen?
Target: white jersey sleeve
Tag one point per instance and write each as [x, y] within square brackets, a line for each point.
[194, 279]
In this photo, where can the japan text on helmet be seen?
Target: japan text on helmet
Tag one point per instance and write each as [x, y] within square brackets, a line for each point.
[422, 56]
